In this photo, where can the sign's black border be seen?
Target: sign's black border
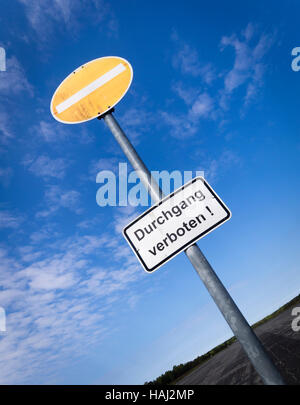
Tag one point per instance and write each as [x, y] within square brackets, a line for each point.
[187, 244]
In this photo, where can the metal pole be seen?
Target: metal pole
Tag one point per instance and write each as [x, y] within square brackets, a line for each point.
[238, 324]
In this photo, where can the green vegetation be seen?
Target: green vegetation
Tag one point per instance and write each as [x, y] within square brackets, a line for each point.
[289, 304]
[170, 376]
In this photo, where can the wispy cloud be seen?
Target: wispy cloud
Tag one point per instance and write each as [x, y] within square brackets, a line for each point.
[179, 124]
[56, 198]
[59, 301]
[9, 220]
[202, 107]
[215, 168]
[102, 164]
[45, 167]
[5, 128]
[5, 175]
[187, 60]
[67, 15]
[14, 81]
[209, 98]
[137, 121]
[248, 68]
[199, 104]
[123, 216]
[187, 124]
[46, 233]
[187, 94]
[54, 133]
[50, 131]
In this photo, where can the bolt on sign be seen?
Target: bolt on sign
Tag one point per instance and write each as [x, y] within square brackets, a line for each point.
[175, 223]
[91, 90]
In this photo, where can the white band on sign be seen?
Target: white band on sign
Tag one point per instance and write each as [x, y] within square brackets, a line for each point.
[90, 88]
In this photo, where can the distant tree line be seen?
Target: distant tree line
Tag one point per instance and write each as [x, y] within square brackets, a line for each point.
[170, 376]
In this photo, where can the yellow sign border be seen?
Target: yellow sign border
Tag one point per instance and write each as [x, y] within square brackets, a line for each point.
[97, 116]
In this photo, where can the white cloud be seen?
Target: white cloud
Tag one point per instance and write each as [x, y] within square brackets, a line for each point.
[186, 125]
[136, 122]
[202, 107]
[187, 60]
[67, 15]
[8, 220]
[46, 233]
[13, 81]
[56, 198]
[180, 125]
[200, 104]
[103, 164]
[5, 128]
[248, 67]
[60, 305]
[247, 72]
[86, 224]
[249, 31]
[45, 167]
[48, 281]
[50, 131]
[215, 168]
[5, 175]
[123, 216]
[188, 95]
[53, 132]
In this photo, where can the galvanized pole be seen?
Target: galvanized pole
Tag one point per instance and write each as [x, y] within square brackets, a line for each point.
[238, 324]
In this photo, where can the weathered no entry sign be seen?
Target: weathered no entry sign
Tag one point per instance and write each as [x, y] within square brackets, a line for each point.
[175, 223]
[91, 90]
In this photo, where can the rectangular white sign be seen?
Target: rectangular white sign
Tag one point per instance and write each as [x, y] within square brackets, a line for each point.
[175, 223]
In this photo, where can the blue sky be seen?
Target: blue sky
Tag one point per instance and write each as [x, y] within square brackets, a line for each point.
[213, 90]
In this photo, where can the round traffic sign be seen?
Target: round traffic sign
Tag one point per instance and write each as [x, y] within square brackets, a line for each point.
[91, 90]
